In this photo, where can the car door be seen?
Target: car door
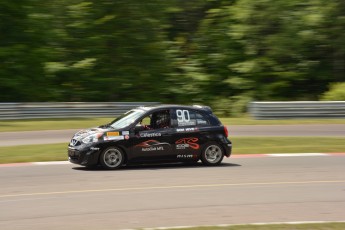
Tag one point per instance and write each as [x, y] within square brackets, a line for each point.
[153, 143]
[186, 138]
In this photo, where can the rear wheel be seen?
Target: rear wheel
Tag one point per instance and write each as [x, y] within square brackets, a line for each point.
[212, 154]
[112, 158]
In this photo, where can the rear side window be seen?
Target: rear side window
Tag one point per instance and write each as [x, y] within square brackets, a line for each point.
[186, 117]
[201, 119]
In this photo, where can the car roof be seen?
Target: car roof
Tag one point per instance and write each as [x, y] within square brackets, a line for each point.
[168, 106]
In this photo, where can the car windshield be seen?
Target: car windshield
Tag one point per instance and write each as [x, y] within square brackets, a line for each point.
[126, 119]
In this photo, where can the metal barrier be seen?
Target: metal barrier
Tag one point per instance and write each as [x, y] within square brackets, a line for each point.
[258, 110]
[66, 109]
[297, 109]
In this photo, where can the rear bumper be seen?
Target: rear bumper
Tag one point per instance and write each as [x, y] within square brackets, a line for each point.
[227, 145]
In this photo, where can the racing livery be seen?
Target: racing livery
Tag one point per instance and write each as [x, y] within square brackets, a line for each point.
[163, 133]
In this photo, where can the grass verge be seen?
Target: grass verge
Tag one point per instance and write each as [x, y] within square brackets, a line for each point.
[250, 121]
[241, 145]
[51, 124]
[256, 145]
[78, 123]
[316, 226]
[32, 153]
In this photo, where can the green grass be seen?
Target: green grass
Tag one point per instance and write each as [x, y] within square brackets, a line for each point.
[32, 153]
[250, 121]
[78, 123]
[256, 145]
[51, 124]
[241, 145]
[317, 226]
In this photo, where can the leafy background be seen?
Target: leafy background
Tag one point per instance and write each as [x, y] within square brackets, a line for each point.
[223, 53]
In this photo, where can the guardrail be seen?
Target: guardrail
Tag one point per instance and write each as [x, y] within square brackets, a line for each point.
[297, 109]
[66, 109]
[258, 110]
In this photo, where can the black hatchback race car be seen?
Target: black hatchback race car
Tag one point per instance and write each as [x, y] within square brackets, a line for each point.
[164, 133]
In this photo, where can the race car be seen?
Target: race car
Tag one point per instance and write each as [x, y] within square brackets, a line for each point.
[153, 134]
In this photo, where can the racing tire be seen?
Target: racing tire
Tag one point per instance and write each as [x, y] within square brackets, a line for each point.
[212, 154]
[112, 158]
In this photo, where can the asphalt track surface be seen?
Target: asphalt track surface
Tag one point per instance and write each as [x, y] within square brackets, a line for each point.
[241, 190]
[64, 136]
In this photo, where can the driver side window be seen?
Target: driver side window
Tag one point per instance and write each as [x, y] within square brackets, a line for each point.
[146, 121]
[156, 120]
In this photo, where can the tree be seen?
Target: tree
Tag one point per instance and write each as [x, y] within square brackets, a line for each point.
[22, 53]
[272, 50]
[335, 93]
[222, 53]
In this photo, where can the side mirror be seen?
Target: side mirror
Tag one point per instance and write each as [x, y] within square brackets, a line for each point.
[139, 128]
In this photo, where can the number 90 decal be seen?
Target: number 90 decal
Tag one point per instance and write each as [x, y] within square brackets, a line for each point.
[183, 118]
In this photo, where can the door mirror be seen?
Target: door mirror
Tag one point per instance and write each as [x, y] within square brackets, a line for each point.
[139, 128]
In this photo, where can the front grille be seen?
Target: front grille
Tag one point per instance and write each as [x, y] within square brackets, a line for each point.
[73, 154]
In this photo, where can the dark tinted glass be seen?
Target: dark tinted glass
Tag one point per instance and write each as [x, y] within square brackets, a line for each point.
[201, 119]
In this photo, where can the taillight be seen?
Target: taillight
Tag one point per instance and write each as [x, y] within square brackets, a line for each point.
[226, 131]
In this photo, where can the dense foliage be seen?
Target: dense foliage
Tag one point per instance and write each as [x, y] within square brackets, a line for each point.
[222, 53]
[336, 93]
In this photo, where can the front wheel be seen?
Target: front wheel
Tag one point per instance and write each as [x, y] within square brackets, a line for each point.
[112, 158]
[212, 154]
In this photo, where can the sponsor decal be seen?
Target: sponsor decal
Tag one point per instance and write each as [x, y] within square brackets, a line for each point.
[202, 122]
[152, 145]
[182, 130]
[150, 134]
[110, 138]
[189, 123]
[148, 143]
[83, 131]
[189, 142]
[126, 137]
[153, 148]
[125, 132]
[94, 148]
[186, 156]
[113, 134]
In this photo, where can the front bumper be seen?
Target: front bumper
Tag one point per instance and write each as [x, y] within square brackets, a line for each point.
[86, 155]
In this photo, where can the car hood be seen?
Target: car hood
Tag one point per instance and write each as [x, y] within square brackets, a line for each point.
[87, 132]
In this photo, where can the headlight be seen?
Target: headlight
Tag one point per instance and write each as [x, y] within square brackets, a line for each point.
[92, 138]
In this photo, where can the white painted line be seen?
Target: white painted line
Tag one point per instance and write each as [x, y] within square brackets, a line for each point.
[296, 154]
[297, 222]
[229, 225]
[171, 187]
